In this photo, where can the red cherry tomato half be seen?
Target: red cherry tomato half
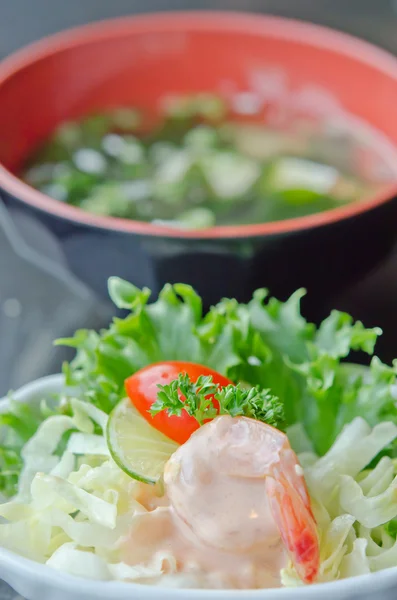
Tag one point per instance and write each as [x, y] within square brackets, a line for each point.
[142, 390]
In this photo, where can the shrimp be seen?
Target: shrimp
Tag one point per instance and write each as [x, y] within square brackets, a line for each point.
[237, 484]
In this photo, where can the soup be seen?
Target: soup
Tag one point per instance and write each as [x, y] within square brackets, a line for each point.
[199, 165]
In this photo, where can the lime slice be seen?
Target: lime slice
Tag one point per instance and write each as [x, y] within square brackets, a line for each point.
[137, 448]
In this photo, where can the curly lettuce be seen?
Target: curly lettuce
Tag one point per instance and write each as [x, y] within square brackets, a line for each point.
[265, 343]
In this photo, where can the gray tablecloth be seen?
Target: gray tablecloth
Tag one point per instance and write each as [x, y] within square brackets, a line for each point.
[6, 593]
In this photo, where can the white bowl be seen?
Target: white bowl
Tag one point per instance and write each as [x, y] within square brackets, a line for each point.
[35, 581]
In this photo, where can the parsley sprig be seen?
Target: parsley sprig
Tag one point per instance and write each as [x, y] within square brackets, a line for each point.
[201, 398]
[182, 394]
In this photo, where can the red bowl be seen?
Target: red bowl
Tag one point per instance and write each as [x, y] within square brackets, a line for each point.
[136, 61]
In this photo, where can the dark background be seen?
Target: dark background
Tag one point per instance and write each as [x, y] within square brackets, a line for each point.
[22, 21]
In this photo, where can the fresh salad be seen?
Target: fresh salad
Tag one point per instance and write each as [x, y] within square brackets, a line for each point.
[236, 449]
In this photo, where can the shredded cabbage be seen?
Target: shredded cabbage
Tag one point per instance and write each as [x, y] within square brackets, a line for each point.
[352, 504]
[88, 443]
[76, 510]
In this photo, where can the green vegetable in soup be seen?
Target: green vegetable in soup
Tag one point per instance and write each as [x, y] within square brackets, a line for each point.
[195, 169]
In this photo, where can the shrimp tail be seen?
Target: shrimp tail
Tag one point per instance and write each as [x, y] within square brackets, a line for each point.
[297, 526]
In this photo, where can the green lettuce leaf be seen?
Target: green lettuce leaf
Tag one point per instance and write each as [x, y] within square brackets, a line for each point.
[303, 366]
[172, 328]
[265, 343]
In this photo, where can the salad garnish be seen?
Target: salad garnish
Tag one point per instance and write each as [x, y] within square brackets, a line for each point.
[204, 400]
[143, 389]
[138, 448]
[177, 397]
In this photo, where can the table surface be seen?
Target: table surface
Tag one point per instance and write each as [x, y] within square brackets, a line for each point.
[375, 299]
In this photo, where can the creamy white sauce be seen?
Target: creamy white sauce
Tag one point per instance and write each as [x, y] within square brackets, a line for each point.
[215, 518]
